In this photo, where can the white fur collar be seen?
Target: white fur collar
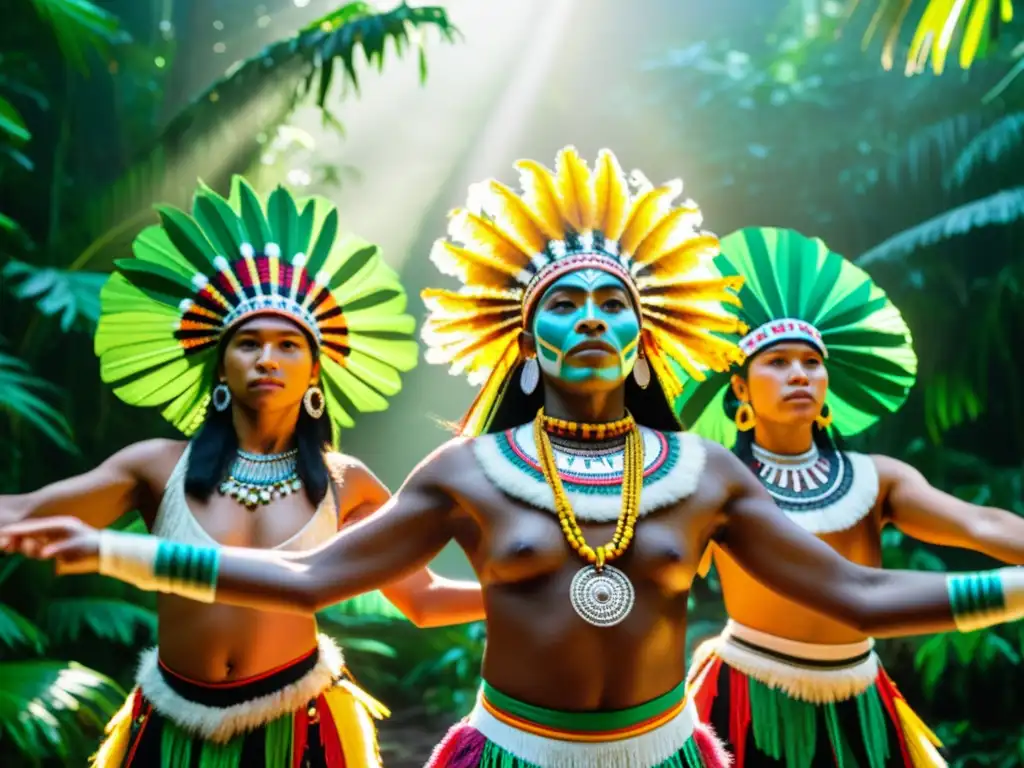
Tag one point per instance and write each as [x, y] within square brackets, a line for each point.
[853, 498]
[673, 463]
[219, 724]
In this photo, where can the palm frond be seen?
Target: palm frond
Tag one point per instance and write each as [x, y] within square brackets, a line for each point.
[44, 706]
[17, 632]
[1000, 208]
[59, 293]
[21, 396]
[988, 147]
[80, 26]
[936, 26]
[66, 620]
[216, 135]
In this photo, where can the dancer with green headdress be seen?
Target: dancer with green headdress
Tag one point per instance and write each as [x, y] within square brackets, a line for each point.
[826, 353]
[580, 504]
[261, 330]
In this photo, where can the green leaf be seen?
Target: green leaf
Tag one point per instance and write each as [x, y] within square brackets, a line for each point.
[369, 645]
[1000, 208]
[988, 147]
[45, 707]
[11, 122]
[80, 27]
[18, 632]
[66, 620]
[57, 292]
[21, 396]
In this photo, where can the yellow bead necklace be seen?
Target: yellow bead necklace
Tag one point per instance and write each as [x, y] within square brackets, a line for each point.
[632, 485]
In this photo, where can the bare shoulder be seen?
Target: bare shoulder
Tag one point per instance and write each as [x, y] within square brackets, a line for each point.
[151, 460]
[446, 463]
[721, 465]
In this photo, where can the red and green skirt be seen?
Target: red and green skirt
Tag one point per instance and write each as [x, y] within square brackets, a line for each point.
[783, 704]
[503, 732]
[304, 714]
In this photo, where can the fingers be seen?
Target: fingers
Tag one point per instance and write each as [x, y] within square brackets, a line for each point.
[42, 525]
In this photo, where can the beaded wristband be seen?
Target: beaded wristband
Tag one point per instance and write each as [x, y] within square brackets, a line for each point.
[986, 598]
[158, 565]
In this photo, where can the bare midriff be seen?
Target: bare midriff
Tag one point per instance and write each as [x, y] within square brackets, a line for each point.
[750, 603]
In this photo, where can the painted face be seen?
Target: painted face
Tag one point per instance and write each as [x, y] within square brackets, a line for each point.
[786, 383]
[586, 329]
[268, 364]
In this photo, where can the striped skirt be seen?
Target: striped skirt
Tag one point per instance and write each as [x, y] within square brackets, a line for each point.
[786, 704]
[304, 714]
[502, 732]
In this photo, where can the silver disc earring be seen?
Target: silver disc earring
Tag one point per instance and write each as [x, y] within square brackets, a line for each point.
[221, 397]
[313, 401]
[642, 372]
[529, 377]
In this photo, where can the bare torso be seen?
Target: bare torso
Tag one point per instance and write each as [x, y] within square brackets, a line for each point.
[538, 648]
[754, 605]
[217, 643]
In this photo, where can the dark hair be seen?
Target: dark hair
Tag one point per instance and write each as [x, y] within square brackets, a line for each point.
[650, 407]
[215, 445]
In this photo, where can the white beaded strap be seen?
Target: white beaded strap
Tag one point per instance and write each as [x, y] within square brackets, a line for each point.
[986, 598]
[158, 565]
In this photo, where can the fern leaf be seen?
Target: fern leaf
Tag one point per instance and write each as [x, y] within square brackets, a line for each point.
[1001, 208]
[67, 620]
[21, 396]
[988, 147]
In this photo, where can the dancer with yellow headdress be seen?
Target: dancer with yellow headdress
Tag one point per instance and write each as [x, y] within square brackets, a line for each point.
[583, 509]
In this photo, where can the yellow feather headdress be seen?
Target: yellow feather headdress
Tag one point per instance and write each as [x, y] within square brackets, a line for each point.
[507, 248]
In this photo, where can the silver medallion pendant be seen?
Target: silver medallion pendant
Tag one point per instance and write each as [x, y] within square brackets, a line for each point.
[602, 598]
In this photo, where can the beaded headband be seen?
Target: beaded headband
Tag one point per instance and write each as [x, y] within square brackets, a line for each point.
[783, 329]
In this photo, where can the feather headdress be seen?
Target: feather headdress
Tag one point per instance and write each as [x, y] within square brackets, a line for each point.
[195, 277]
[507, 248]
[796, 289]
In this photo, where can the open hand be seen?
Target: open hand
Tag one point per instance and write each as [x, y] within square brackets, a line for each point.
[73, 545]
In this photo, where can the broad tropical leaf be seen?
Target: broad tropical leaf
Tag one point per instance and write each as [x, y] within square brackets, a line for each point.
[989, 146]
[1001, 208]
[80, 26]
[57, 292]
[66, 620]
[44, 706]
[216, 135]
[21, 396]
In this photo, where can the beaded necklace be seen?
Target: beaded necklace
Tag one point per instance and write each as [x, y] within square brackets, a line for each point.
[574, 430]
[601, 594]
[256, 479]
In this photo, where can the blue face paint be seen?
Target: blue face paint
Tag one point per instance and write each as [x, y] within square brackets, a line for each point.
[566, 316]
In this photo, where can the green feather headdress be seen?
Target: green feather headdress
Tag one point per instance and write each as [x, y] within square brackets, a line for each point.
[795, 288]
[195, 277]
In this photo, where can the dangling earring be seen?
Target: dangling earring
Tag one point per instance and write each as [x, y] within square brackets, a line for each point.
[313, 401]
[642, 372]
[824, 419]
[529, 377]
[221, 397]
[745, 417]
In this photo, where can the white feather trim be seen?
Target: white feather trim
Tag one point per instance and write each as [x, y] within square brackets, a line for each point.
[521, 482]
[648, 749]
[218, 724]
[851, 508]
[811, 684]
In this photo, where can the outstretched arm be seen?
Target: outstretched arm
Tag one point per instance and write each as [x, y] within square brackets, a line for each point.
[787, 559]
[98, 497]
[400, 538]
[926, 513]
[426, 599]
